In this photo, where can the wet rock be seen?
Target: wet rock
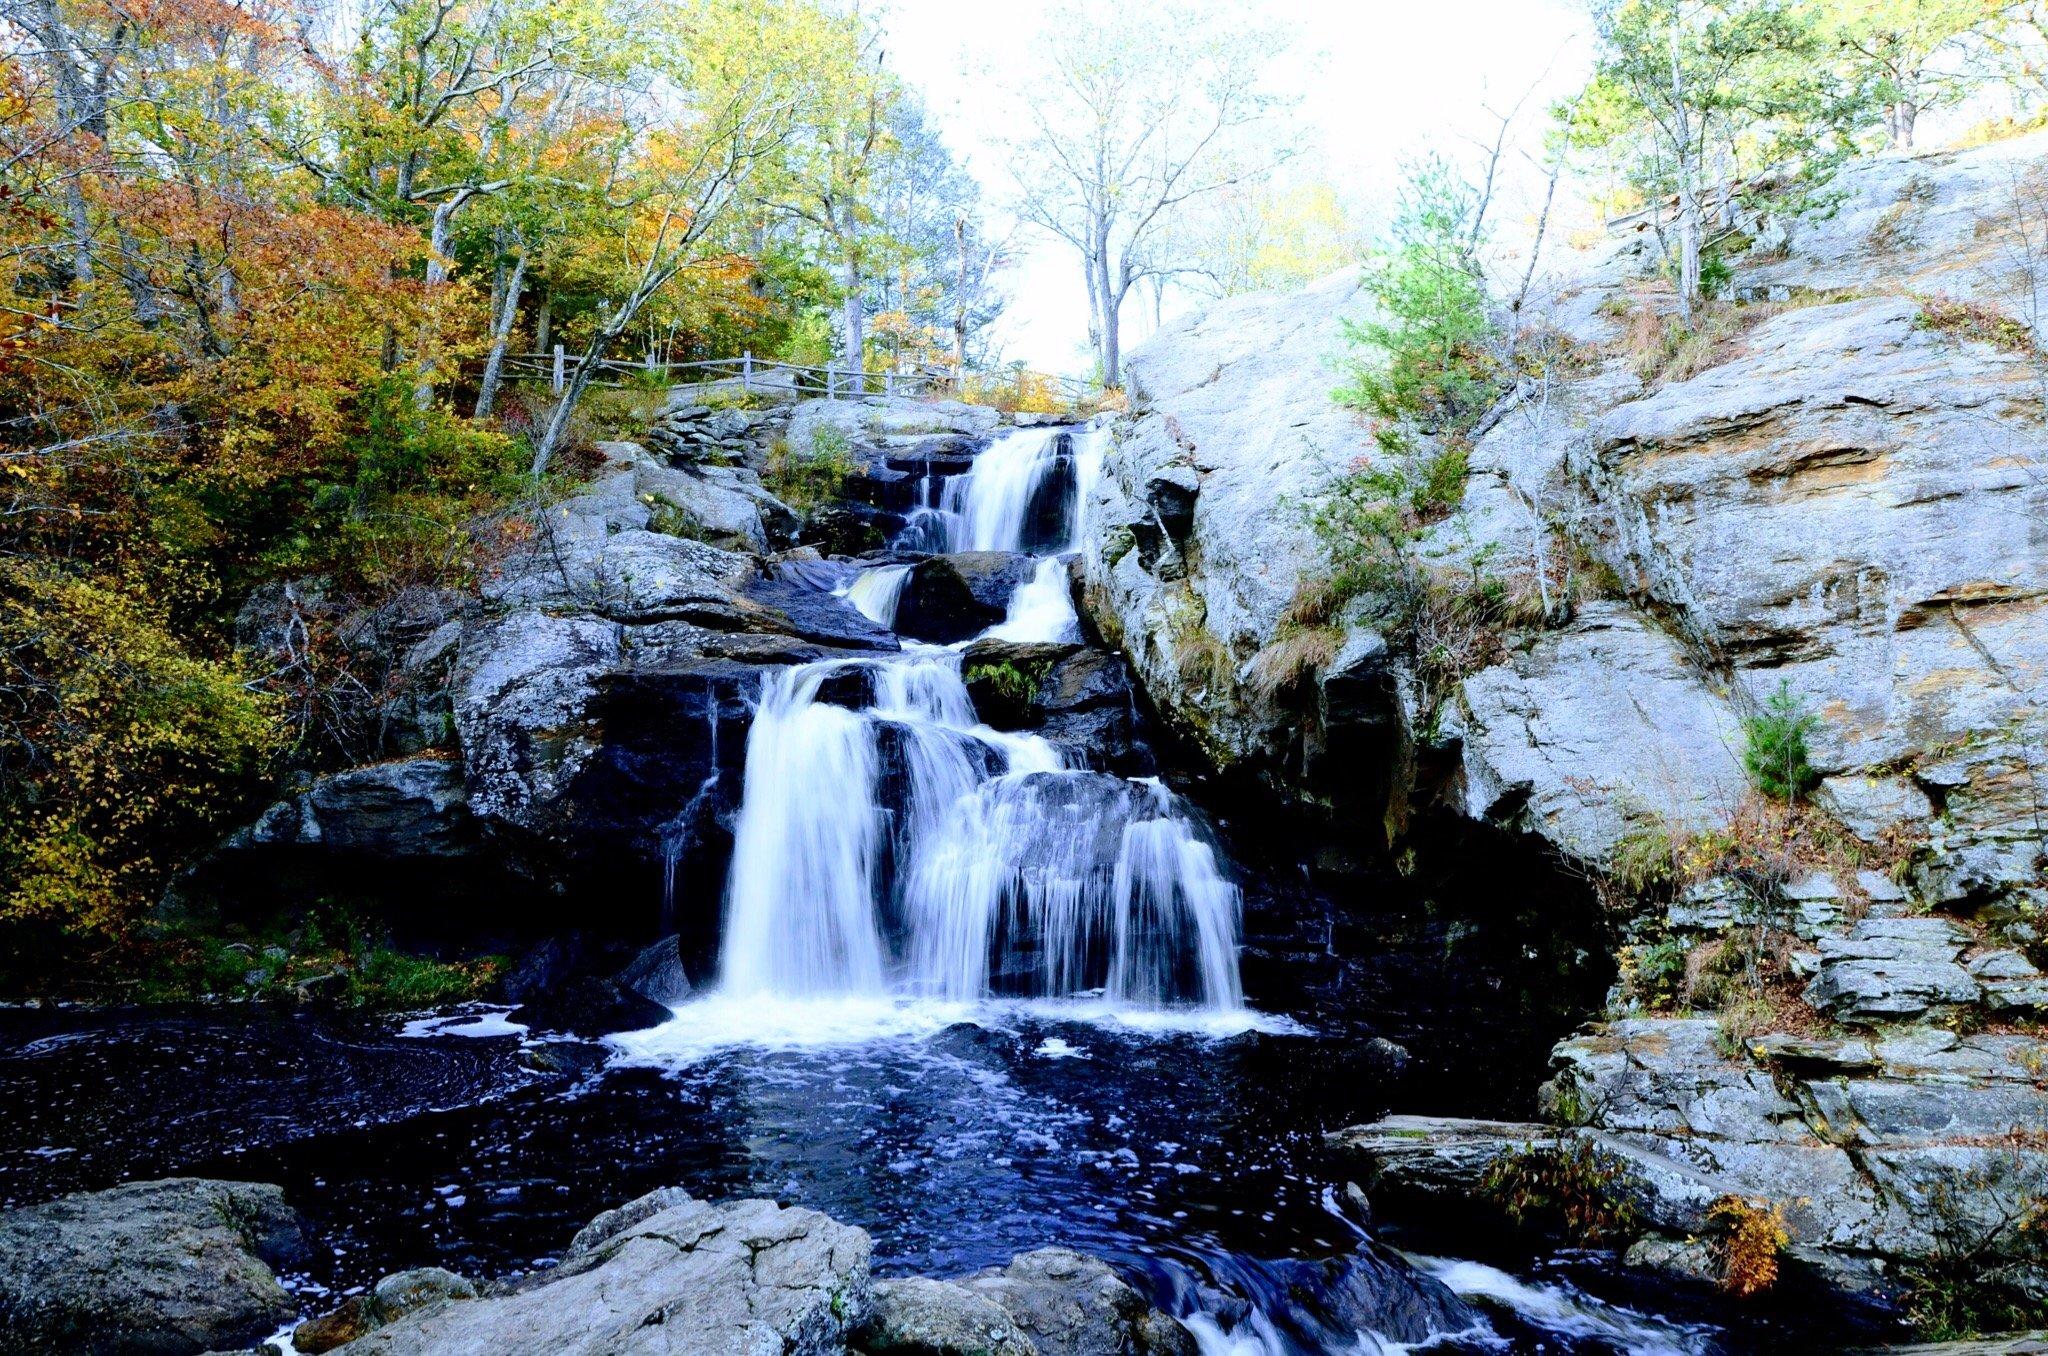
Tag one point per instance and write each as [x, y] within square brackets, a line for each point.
[556, 989]
[951, 598]
[173, 1266]
[657, 973]
[916, 1316]
[1378, 1292]
[1007, 680]
[815, 614]
[590, 1005]
[1069, 1304]
[390, 1299]
[685, 1279]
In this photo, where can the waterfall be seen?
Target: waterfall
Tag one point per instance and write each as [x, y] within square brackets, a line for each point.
[901, 847]
[891, 846]
[1041, 608]
[874, 593]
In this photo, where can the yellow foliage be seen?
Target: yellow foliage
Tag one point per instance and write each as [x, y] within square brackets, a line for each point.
[1752, 1237]
[121, 746]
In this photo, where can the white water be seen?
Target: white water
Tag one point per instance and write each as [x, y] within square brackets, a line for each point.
[1041, 609]
[875, 593]
[896, 861]
[985, 509]
[960, 862]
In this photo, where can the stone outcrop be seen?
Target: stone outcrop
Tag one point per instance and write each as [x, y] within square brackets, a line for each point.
[1839, 501]
[1891, 1148]
[160, 1268]
[676, 1275]
[669, 1273]
[1200, 520]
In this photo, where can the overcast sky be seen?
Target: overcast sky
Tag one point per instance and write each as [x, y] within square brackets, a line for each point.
[1378, 80]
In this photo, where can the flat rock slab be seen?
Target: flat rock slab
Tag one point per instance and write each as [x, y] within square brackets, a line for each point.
[174, 1266]
[746, 1278]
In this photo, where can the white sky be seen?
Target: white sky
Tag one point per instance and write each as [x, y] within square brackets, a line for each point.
[1379, 81]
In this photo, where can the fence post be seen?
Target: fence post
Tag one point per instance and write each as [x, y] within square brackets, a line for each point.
[889, 382]
[747, 370]
[561, 369]
[831, 383]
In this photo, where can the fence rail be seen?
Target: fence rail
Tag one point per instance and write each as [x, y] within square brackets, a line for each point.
[766, 374]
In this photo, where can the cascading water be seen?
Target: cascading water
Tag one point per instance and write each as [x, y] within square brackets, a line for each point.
[1021, 495]
[875, 593]
[891, 846]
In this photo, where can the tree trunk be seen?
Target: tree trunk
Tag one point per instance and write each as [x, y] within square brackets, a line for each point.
[1904, 114]
[543, 322]
[607, 334]
[960, 297]
[852, 317]
[1112, 315]
[487, 390]
[1688, 257]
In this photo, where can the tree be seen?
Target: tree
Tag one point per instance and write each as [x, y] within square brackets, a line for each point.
[740, 69]
[842, 141]
[1136, 113]
[1896, 49]
[1425, 348]
[1705, 93]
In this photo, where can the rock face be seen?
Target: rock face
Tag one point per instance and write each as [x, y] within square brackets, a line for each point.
[1840, 502]
[1198, 551]
[177, 1266]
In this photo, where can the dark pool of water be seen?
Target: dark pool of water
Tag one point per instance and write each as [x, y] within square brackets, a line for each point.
[1193, 1163]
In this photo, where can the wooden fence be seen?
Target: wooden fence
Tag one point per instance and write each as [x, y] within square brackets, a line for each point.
[749, 373]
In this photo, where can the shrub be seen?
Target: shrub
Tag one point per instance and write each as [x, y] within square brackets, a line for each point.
[1563, 1189]
[1653, 974]
[804, 478]
[1751, 1237]
[1774, 746]
[121, 748]
[1426, 353]
[1973, 320]
[1005, 681]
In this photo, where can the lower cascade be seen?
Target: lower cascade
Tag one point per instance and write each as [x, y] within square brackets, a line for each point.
[890, 845]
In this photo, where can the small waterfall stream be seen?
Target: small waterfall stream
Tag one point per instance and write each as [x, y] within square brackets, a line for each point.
[890, 846]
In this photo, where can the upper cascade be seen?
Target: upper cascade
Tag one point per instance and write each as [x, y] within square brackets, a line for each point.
[1025, 493]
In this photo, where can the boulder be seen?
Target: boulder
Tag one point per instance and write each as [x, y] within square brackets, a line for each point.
[688, 1279]
[167, 1267]
[657, 973]
[556, 990]
[1070, 1304]
[390, 1299]
[917, 1316]
[952, 598]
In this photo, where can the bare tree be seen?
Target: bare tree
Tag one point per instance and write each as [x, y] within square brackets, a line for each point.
[1138, 111]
